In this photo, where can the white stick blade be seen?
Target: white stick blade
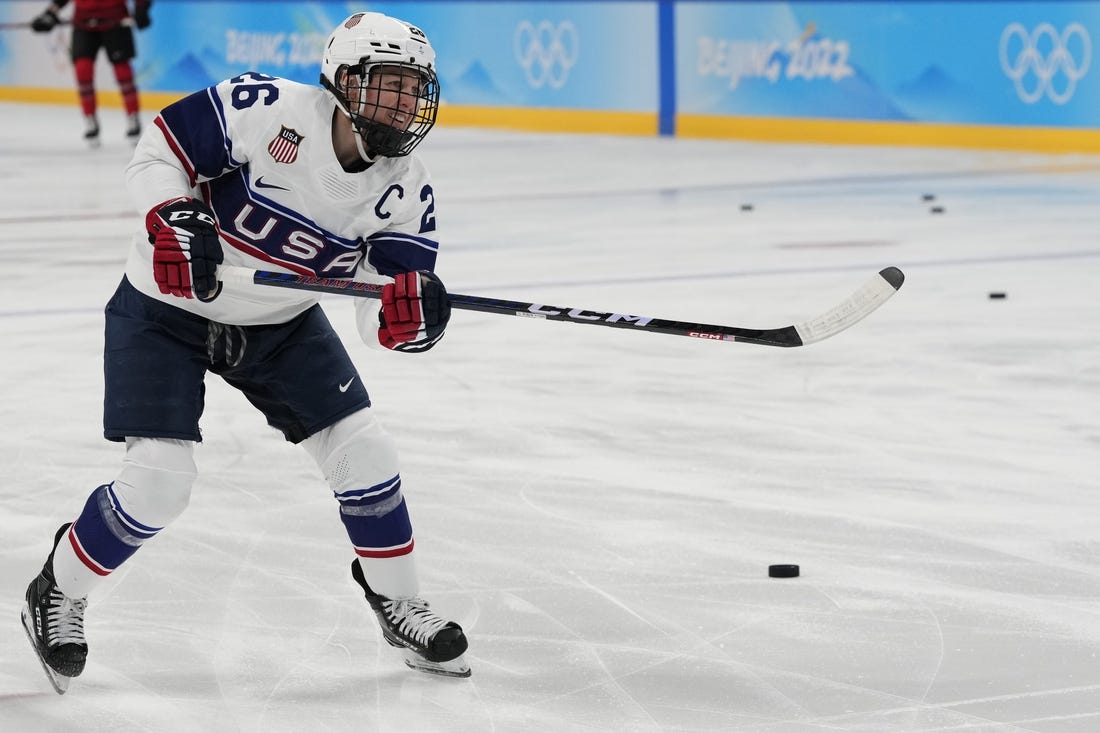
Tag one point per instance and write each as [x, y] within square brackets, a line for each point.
[854, 309]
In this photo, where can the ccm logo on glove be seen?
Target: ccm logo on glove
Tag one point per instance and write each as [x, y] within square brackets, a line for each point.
[415, 311]
[186, 247]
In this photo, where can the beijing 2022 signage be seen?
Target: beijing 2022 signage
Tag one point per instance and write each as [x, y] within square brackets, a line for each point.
[979, 62]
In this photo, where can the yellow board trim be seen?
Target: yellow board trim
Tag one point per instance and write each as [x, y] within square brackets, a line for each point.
[766, 129]
[107, 98]
[549, 120]
[919, 134]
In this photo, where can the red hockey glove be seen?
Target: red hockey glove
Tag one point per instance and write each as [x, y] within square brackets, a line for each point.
[186, 247]
[415, 311]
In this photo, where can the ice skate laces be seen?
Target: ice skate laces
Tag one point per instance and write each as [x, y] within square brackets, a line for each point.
[413, 618]
[66, 619]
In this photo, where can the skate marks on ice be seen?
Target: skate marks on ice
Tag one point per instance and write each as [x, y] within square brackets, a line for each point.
[810, 650]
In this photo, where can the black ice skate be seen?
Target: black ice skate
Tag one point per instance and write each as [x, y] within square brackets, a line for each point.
[55, 625]
[430, 644]
[91, 131]
[133, 128]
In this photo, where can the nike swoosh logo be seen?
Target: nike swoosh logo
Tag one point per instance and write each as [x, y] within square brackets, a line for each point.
[260, 184]
[344, 387]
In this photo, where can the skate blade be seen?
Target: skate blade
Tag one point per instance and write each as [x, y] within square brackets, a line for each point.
[457, 667]
[59, 682]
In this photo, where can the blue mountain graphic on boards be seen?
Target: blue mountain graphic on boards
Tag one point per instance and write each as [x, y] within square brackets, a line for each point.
[474, 85]
[934, 96]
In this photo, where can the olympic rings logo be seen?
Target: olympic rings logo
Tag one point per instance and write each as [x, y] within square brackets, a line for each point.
[1043, 57]
[546, 52]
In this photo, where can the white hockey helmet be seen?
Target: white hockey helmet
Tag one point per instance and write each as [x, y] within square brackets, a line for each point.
[368, 40]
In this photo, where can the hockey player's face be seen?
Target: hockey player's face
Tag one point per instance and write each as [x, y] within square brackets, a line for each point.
[391, 96]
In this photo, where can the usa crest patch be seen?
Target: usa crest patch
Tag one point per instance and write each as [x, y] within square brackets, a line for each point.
[284, 148]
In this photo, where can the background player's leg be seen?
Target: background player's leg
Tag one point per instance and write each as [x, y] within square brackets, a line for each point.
[85, 48]
[124, 74]
[84, 69]
[119, 43]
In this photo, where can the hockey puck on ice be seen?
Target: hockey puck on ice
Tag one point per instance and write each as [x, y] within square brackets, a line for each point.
[996, 296]
[936, 209]
[782, 571]
[746, 207]
[928, 197]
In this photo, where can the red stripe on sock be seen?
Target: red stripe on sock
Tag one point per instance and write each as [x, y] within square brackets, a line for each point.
[389, 552]
[89, 562]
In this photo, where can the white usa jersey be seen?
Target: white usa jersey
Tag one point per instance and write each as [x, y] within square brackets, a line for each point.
[258, 150]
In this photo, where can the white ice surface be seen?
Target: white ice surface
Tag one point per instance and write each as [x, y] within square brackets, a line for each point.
[598, 508]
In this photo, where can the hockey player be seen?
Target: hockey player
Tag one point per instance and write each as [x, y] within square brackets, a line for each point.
[101, 24]
[267, 173]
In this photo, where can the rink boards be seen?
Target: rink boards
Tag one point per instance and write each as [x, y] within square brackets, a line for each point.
[972, 74]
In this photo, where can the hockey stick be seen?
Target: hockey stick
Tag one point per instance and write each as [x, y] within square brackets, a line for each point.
[27, 25]
[850, 311]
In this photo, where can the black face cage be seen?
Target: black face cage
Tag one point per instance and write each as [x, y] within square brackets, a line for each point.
[378, 137]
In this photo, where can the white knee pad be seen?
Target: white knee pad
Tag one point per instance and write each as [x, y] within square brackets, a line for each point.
[154, 485]
[354, 453]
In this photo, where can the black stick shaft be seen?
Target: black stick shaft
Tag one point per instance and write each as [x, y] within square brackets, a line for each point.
[865, 300]
[774, 337]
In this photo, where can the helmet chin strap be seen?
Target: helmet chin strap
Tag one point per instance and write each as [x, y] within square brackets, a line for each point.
[359, 145]
[342, 105]
[366, 156]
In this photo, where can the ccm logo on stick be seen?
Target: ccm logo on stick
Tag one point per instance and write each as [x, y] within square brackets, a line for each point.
[698, 335]
[579, 314]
